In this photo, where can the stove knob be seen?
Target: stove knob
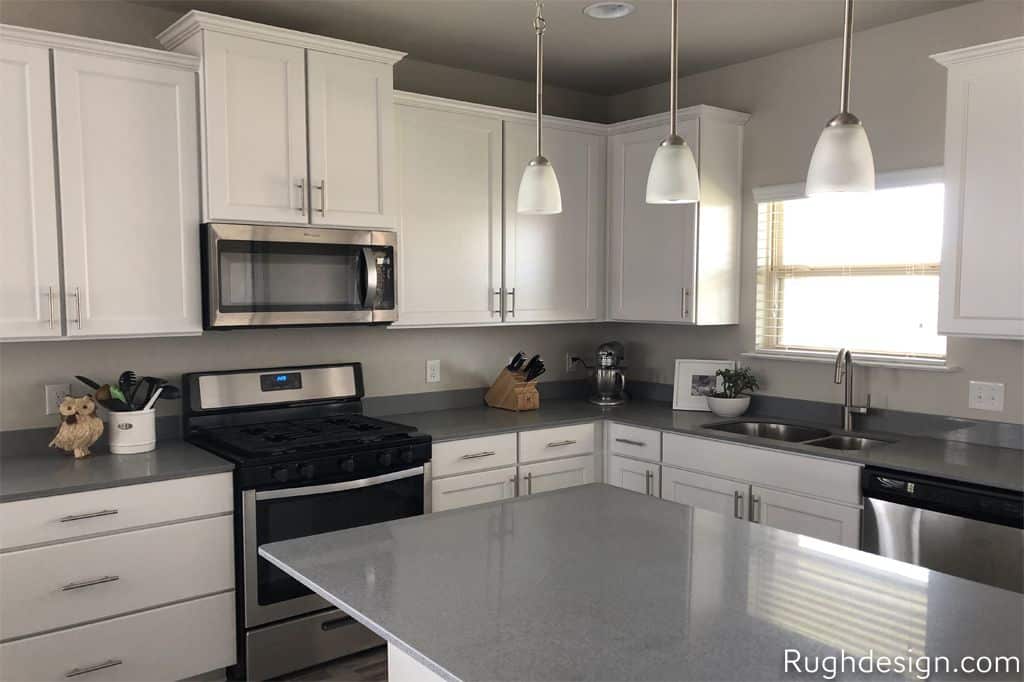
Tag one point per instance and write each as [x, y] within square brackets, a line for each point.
[348, 465]
[385, 459]
[280, 474]
[306, 471]
[407, 455]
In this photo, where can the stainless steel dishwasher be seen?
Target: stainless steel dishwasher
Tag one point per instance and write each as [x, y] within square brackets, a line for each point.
[970, 531]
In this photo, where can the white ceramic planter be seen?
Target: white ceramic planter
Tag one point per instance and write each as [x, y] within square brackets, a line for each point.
[729, 407]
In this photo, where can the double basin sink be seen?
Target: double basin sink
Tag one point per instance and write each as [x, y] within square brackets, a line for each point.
[793, 433]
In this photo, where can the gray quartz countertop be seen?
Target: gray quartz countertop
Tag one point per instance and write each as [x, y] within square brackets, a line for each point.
[966, 462]
[29, 469]
[598, 583]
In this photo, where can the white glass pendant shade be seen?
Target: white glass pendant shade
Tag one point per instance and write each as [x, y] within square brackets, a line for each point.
[539, 192]
[673, 176]
[842, 159]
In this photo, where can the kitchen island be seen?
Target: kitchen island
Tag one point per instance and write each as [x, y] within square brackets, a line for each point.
[598, 583]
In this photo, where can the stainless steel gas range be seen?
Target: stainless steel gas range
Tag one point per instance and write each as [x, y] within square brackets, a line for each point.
[307, 462]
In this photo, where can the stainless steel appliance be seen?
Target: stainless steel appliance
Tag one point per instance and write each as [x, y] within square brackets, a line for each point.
[274, 276]
[306, 462]
[969, 531]
[609, 387]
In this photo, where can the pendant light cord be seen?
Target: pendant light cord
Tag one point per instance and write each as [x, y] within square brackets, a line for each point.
[844, 96]
[673, 79]
[539, 25]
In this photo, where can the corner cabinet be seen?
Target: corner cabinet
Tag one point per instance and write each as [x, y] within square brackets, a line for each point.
[124, 128]
[981, 281]
[468, 258]
[676, 263]
[262, 86]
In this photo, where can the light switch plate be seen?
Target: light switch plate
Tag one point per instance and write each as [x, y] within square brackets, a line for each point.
[433, 371]
[55, 393]
[987, 395]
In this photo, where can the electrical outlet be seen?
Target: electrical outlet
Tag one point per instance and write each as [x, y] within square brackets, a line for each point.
[571, 360]
[55, 394]
[987, 395]
[433, 371]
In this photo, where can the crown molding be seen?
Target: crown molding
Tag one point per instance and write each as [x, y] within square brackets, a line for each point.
[412, 99]
[700, 111]
[970, 54]
[195, 21]
[63, 41]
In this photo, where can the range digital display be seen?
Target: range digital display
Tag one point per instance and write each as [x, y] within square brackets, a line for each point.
[281, 381]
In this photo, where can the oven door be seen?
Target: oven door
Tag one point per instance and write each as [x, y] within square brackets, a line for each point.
[283, 514]
[264, 275]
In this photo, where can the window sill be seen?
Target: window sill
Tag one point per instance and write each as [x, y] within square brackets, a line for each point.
[860, 361]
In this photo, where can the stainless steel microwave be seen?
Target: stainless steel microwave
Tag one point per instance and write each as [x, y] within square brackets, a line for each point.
[278, 276]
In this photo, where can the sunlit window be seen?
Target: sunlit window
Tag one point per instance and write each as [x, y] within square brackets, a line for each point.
[856, 271]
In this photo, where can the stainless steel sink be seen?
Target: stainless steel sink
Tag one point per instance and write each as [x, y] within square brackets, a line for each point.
[790, 433]
[847, 443]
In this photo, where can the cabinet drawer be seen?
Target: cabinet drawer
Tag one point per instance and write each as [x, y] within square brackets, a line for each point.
[53, 587]
[803, 474]
[634, 442]
[563, 441]
[556, 474]
[632, 474]
[65, 517]
[470, 489]
[473, 454]
[169, 643]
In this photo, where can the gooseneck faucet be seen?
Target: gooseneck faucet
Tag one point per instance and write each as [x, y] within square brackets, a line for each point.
[844, 372]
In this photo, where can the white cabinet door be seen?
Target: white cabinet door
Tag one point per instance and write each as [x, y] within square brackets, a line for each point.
[981, 291]
[29, 259]
[651, 261]
[719, 495]
[255, 130]
[450, 186]
[351, 142]
[807, 516]
[469, 489]
[554, 263]
[631, 474]
[129, 187]
[556, 474]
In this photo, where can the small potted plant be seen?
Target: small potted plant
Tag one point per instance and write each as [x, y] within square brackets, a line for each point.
[734, 398]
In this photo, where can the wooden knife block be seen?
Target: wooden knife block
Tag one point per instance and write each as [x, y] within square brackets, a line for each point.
[511, 391]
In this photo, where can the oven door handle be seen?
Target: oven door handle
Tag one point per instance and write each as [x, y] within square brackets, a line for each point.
[337, 487]
[370, 272]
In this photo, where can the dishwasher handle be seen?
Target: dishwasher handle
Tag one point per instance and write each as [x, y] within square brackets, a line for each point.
[967, 500]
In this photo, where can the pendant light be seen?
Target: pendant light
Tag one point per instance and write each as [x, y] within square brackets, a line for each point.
[538, 190]
[842, 159]
[673, 178]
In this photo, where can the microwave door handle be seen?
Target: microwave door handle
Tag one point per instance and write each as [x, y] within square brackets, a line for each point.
[370, 272]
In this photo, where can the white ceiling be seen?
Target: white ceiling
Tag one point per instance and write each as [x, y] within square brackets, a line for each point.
[602, 57]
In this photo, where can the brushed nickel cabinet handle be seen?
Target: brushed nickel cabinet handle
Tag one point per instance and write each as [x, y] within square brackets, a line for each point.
[77, 295]
[631, 442]
[686, 303]
[323, 196]
[515, 485]
[89, 515]
[495, 293]
[649, 478]
[755, 508]
[512, 295]
[477, 455]
[93, 668]
[529, 483]
[90, 583]
[561, 443]
[51, 299]
[302, 196]
[737, 504]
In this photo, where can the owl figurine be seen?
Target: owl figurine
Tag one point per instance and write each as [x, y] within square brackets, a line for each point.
[79, 426]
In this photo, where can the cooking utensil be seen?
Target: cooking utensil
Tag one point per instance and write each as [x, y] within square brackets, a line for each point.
[517, 360]
[536, 371]
[117, 394]
[531, 364]
[126, 381]
[88, 382]
[104, 397]
[170, 392]
[153, 398]
[147, 385]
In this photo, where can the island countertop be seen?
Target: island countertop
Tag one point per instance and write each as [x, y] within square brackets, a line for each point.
[598, 583]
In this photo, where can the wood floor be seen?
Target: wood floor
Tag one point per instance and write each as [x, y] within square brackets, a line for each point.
[368, 666]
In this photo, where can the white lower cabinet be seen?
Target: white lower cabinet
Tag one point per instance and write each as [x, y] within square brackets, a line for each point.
[169, 643]
[805, 515]
[556, 474]
[631, 474]
[719, 495]
[469, 489]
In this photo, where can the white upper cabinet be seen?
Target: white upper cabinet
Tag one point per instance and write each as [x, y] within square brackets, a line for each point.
[450, 179]
[255, 130]
[981, 290]
[554, 263]
[351, 142]
[676, 263]
[261, 85]
[129, 186]
[30, 298]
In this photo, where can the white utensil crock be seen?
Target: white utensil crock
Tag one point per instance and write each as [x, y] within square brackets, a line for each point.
[131, 433]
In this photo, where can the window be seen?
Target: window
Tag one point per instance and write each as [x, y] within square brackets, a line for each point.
[856, 271]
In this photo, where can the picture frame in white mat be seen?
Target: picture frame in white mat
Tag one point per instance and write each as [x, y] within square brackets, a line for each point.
[694, 381]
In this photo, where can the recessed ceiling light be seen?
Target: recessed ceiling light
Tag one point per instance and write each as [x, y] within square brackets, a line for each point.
[609, 10]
